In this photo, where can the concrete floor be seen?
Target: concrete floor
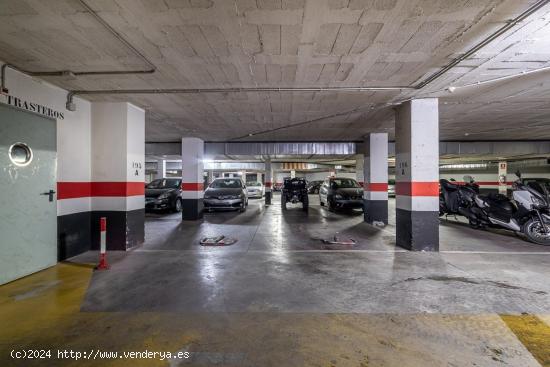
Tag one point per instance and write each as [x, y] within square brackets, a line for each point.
[280, 297]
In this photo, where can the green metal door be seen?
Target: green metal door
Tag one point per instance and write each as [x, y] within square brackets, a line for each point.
[28, 210]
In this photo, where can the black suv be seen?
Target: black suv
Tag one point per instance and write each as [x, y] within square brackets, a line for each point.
[163, 194]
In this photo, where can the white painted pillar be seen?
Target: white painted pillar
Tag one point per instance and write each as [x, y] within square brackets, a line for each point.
[268, 182]
[118, 173]
[359, 169]
[502, 172]
[161, 169]
[417, 174]
[292, 173]
[210, 176]
[192, 171]
[375, 197]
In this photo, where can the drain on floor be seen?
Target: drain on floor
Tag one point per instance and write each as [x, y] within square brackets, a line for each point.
[217, 241]
[336, 241]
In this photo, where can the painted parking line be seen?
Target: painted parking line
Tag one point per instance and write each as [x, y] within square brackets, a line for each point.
[533, 333]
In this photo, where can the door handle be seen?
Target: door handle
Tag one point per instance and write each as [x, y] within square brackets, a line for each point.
[50, 194]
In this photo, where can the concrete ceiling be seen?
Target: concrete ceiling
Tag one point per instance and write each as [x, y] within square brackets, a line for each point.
[294, 43]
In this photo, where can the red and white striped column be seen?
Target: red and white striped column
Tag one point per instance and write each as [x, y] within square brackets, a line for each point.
[375, 197]
[192, 173]
[417, 174]
[268, 181]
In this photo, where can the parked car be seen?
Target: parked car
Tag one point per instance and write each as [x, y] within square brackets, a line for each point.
[226, 193]
[255, 189]
[314, 186]
[391, 188]
[341, 193]
[163, 194]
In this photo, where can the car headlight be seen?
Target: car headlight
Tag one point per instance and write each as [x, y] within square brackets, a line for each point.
[338, 197]
[164, 196]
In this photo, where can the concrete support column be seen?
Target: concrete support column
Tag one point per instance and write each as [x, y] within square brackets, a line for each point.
[192, 171]
[375, 198]
[502, 172]
[161, 169]
[210, 176]
[268, 182]
[417, 174]
[359, 169]
[118, 174]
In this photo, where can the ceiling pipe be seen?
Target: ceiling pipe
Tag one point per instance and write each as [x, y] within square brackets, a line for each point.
[509, 25]
[430, 79]
[68, 73]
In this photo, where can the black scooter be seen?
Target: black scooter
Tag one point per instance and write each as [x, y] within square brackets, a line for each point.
[529, 212]
[454, 197]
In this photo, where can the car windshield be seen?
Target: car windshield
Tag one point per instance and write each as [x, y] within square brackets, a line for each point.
[344, 183]
[164, 184]
[226, 183]
[253, 184]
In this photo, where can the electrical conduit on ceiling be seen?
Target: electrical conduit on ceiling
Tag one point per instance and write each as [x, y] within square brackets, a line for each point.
[430, 79]
[151, 67]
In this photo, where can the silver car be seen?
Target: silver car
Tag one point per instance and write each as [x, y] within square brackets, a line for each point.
[226, 193]
[255, 189]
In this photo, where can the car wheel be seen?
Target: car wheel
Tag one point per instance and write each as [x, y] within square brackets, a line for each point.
[242, 209]
[179, 206]
[321, 201]
[330, 206]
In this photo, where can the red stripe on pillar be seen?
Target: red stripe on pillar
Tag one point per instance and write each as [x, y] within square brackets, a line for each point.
[268, 184]
[192, 186]
[417, 188]
[379, 187]
[72, 190]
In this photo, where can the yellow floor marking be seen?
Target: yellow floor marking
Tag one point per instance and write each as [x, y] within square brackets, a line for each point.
[533, 333]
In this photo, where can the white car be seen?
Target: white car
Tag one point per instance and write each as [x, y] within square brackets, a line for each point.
[255, 189]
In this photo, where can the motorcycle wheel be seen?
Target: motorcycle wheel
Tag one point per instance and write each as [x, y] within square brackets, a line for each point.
[534, 231]
[474, 224]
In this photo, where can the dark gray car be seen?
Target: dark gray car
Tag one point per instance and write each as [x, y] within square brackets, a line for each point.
[226, 193]
[163, 194]
[341, 193]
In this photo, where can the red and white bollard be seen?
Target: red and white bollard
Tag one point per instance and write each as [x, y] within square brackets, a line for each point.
[103, 245]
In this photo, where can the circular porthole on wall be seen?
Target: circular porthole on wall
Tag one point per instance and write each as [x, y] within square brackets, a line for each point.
[20, 154]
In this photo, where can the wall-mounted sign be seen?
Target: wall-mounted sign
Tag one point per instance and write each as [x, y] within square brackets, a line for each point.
[32, 107]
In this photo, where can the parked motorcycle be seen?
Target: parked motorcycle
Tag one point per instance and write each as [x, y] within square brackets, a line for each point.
[528, 212]
[453, 196]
